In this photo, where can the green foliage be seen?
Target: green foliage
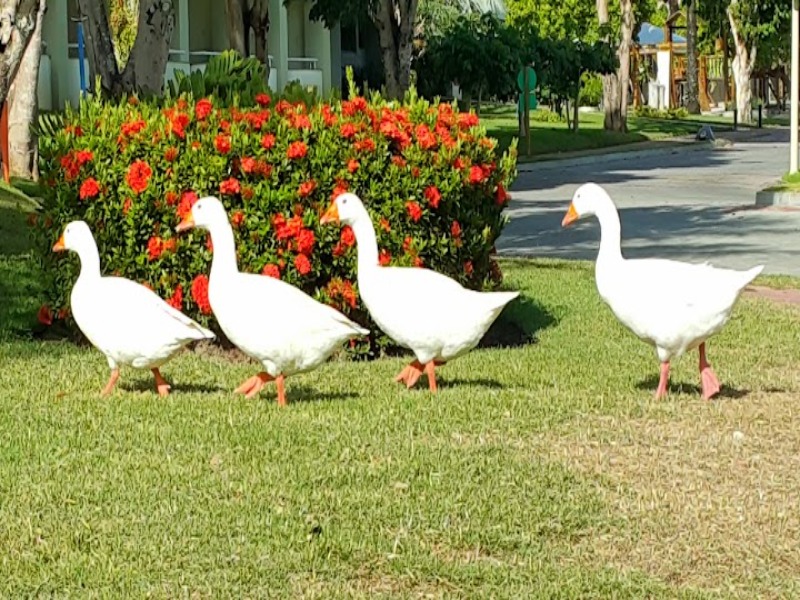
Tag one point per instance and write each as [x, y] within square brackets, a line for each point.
[567, 19]
[591, 93]
[562, 65]
[481, 53]
[123, 16]
[228, 78]
[653, 113]
[434, 183]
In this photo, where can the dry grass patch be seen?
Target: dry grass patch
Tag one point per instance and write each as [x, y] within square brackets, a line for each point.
[707, 494]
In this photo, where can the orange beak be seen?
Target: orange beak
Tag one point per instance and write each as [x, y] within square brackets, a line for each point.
[187, 223]
[331, 215]
[570, 217]
[60, 247]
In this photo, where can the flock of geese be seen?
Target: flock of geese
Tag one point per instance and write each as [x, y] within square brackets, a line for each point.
[673, 306]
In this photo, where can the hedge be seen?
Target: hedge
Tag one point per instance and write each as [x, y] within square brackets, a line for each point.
[435, 184]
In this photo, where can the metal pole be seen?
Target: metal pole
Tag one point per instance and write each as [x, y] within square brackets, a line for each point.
[81, 54]
[526, 107]
[795, 90]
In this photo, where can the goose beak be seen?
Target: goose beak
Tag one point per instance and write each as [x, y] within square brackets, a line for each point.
[60, 247]
[331, 215]
[187, 223]
[570, 217]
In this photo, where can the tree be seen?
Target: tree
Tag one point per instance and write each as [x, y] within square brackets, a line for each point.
[23, 102]
[395, 22]
[692, 74]
[242, 16]
[146, 65]
[17, 23]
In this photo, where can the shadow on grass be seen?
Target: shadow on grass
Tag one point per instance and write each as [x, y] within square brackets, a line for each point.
[143, 384]
[651, 383]
[518, 325]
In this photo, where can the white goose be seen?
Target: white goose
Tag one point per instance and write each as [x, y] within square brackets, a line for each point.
[674, 306]
[272, 321]
[420, 309]
[126, 321]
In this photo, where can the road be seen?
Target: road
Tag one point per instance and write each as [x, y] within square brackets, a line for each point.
[689, 205]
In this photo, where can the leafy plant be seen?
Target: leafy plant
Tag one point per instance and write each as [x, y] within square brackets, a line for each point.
[433, 181]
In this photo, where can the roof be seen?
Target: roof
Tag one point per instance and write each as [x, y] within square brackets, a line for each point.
[650, 35]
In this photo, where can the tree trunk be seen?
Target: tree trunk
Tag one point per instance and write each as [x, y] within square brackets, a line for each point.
[17, 23]
[148, 60]
[23, 101]
[624, 53]
[576, 109]
[237, 33]
[743, 63]
[394, 20]
[692, 74]
[611, 95]
[100, 48]
[259, 21]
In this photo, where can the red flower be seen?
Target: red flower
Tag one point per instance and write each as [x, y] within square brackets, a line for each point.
[271, 270]
[467, 120]
[501, 196]
[458, 164]
[170, 153]
[222, 143]
[83, 156]
[398, 161]
[263, 99]
[89, 188]
[476, 174]
[414, 211]
[202, 109]
[126, 206]
[367, 145]
[196, 145]
[178, 122]
[418, 262]
[347, 130]
[229, 187]
[455, 229]
[237, 218]
[339, 189]
[169, 245]
[187, 201]
[249, 164]
[296, 150]
[306, 188]
[415, 172]
[348, 238]
[384, 223]
[301, 122]
[305, 241]
[139, 176]
[268, 141]
[327, 115]
[385, 258]
[176, 300]
[408, 241]
[433, 195]
[155, 246]
[209, 243]
[131, 128]
[468, 267]
[171, 198]
[339, 249]
[302, 264]
[247, 193]
[425, 137]
[45, 315]
[200, 294]
[74, 130]
[352, 165]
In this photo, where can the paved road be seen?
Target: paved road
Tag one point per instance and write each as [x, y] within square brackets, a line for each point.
[688, 205]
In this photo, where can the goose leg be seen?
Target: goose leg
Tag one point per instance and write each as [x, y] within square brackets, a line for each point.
[663, 381]
[410, 374]
[253, 385]
[161, 384]
[429, 369]
[279, 383]
[708, 378]
[112, 381]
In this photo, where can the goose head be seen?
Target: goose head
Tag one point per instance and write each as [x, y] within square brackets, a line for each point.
[346, 209]
[587, 201]
[205, 213]
[76, 237]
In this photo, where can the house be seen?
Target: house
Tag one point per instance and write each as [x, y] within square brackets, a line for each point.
[299, 49]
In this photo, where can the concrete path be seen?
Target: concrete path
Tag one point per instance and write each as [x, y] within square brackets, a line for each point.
[683, 203]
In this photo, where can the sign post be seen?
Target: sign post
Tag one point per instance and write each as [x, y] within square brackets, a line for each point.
[526, 81]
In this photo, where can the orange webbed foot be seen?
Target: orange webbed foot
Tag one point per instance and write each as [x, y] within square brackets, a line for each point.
[410, 374]
[161, 384]
[112, 381]
[253, 385]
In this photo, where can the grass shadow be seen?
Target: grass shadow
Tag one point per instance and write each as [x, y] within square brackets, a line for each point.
[148, 385]
[445, 382]
[650, 383]
[518, 325]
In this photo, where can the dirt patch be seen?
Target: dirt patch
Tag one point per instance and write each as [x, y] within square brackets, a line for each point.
[705, 498]
[785, 296]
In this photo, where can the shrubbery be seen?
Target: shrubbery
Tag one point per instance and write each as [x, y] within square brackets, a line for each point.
[434, 183]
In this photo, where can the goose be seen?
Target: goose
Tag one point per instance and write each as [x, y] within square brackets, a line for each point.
[432, 315]
[277, 324]
[129, 323]
[673, 306]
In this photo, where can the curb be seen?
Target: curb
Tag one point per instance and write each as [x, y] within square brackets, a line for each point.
[641, 149]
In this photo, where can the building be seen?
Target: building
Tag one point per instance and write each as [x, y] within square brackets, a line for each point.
[299, 49]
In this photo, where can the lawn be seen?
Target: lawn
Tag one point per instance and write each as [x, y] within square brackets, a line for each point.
[549, 138]
[540, 470]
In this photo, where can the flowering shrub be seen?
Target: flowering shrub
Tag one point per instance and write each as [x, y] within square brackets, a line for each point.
[434, 183]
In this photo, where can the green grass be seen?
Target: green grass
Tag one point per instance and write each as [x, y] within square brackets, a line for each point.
[360, 488]
[550, 138]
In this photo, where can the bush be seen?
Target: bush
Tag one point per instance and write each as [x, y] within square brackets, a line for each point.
[648, 112]
[434, 183]
[591, 91]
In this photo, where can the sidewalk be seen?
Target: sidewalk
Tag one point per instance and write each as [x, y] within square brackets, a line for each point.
[654, 147]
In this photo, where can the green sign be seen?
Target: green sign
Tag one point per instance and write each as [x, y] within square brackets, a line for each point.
[532, 103]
